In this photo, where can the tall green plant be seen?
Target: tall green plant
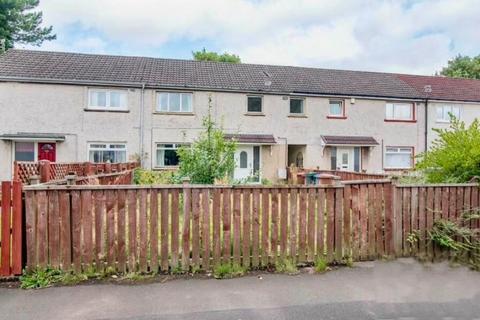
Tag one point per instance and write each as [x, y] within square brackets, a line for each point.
[454, 155]
[210, 157]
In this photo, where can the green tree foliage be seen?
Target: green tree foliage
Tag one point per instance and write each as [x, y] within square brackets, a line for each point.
[19, 24]
[454, 155]
[205, 55]
[210, 157]
[463, 67]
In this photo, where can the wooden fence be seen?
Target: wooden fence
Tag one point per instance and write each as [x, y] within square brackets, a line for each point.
[11, 228]
[133, 228]
[52, 171]
[145, 228]
[297, 175]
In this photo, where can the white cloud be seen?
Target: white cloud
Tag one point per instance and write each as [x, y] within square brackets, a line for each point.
[398, 36]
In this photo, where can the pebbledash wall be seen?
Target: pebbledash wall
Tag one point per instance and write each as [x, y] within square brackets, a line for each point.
[63, 109]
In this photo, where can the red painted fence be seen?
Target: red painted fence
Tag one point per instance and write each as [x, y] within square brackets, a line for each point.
[11, 228]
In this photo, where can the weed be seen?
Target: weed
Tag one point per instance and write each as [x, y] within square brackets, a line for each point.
[286, 266]
[177, 270]
[226, 271]
[321, 265]
[40, 278]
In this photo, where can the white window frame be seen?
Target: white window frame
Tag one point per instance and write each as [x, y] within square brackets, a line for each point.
[393, 118]
[399, 151]
[443, 107]
[261, 104]
[108, 148]
[343, 112]
[108, 92]
[181, 93]
[35, 150]
[175, 147]
[290, 107]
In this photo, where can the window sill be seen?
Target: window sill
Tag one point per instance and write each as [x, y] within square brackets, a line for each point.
[397, 169]
[442, 122]
[166, 168]
[174, 113]
[105, 110]
[404, 121]
[293, 115]
[337, 117]
[255, 114]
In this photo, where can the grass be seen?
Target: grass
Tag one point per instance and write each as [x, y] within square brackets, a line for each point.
[321, 265]
[286, 266]
[47, 277]
[227, 271]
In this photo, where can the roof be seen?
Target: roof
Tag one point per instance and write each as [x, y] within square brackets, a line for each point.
[349, 140]
[62, 67]
[252, 138]
[32, 136]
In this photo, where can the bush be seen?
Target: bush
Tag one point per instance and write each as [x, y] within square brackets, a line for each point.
[210, 157]
[454, 155]
[146, 177]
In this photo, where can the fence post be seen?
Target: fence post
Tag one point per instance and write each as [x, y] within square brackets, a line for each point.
[88, 169]
[44, 169]
[15, 171]
[397, 218]
[71, 179]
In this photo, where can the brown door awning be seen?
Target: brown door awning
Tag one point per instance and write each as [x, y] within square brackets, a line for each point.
[358, 141]
[266, 139]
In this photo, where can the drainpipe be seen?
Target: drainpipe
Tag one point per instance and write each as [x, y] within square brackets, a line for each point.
[426, 124]
[142, 123]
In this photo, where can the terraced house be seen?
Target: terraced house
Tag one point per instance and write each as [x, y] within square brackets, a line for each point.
[79, 107]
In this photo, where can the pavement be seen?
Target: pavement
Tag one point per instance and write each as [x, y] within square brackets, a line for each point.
[400, 289]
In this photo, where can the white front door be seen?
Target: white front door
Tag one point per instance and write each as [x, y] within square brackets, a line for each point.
[345, 161]
[247, 163]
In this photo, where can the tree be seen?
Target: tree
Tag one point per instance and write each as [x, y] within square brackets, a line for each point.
[463, 67]
[205, 55]
[454, 155]
[210, 157]
[19, 24]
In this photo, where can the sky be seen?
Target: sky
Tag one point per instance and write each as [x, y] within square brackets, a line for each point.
[408, 36]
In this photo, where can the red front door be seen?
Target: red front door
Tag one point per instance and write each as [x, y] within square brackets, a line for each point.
[47, 151]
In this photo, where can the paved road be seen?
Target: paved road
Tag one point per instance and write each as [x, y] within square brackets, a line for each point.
[402, 289]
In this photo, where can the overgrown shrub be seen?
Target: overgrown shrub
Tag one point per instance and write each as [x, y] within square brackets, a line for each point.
[210, 157]
[454, 155]
[146, 177]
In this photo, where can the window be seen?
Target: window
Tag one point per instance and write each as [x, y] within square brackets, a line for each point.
[243, 159]
[174, 102]
[443, 113]
[399, 158]
[399, 111]
[24, 151]
[337, 109]
[107, 99]
[167, 155]
[107, 152]
[254, 104]
[296, 106]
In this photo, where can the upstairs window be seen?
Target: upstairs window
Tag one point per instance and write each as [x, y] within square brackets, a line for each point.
[337, 109]
[167, 155]
[174, 102]
[399, 111]
[254, 104]
[443, 113]
[107, 152]
[296, 106]
[107, 99]
[399, 157]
